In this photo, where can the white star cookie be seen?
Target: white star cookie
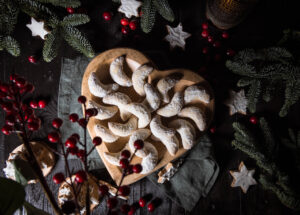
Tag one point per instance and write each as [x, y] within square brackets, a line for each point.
[37, 28]
[243, 178]
[129, 7]
[177, 36]
[237, 102]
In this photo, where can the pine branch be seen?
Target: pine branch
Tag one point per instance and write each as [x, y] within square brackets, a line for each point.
[75, 19]
[35, 9]
[265, 70]
[75, 39]
[10, 45]
[164, 9]
[63, 3]
[8, 17]
[51, 45]
[247, 142]
[148, 16]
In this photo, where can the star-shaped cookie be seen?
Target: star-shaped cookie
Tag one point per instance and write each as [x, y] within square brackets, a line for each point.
[243, 178]
[237, 102]
[177, 36]
[37, 28]
[129, 7]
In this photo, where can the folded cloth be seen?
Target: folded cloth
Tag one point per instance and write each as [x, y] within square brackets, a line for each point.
[194, 178]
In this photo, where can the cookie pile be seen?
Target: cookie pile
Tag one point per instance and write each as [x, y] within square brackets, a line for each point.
[158, 102]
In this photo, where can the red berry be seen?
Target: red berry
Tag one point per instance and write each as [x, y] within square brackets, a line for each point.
[124, 190]
[33, 104]
[151, 207]
[56, 123]
[132, 210]
[125, 154]
[80, 176]
[212, 130]
[58, 178]
[82, 122]
[129, 169]
[73, 117]
[70, 10]
[42, 104]
[97, 141]
[253, 120]
[81, 153]
[70, 142]
[7, 107]
[204, 33]
[230, 52]
[103, 189]
[6, 129]
[124, 30]
[82, 99]
[32, 59]
[132, 25]
[125, 208]
[137, 168]
[216, 44]
[76, 136]
[205, 26]
[124, 163]
[53, 137]
[205, 50]
[33, 126]
[142, 202]
[20, 82]
[4, 88]
[91, 112]
[73, 151]
[112, 202]
[225, 35]
[124, 22]
[10, 120]
[138, 144]
[106, 16]
[210, 39]
[13, 77]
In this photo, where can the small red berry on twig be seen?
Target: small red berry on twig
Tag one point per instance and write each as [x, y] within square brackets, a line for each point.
[82, 99]
[124, 163]
[42, 104]
[80, 176]
[205, 26]
[253, 120]
[103, 189]
[142, 202]
[124, 190]
[124, 21]
[73, 117]
[138, 144]
[53, 137]
[137, 168]
[97, 141]
[57, 123]
[132, 25]
[70, 10]
[125, 154]
[32, 59]
[107, 16]
[151, 207]
[58, 178]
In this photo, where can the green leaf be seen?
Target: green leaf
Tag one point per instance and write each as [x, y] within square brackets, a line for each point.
[63, 3]
[292, 95]
[164, 9]
[23, 171]
[12, 196]
[35, 9]
[31, 210]
[11, 46]
[75, 19]
[51, 45]
[148, 16]
[76, 39]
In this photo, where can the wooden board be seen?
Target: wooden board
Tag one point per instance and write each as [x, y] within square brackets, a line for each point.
[134, 59]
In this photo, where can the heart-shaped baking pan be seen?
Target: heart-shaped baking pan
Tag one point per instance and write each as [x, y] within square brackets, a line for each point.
[134, 59]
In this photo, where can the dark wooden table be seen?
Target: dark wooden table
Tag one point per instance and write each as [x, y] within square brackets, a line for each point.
[263, 27]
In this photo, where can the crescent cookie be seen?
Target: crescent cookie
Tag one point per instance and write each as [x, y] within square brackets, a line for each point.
[138, 78]
[106, 135]
[174, 107]
[152, 97]
[120, 100]
[117, 73]
[195, 114]
[104, 112]
[167, 83]
[97, 88]
[166, 135]
[187, 132]
[140, 134]
[141, 112]
[149, 162]
[123, 130]
[196, 93]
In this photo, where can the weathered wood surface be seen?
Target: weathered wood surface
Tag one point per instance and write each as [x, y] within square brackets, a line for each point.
[262, 28]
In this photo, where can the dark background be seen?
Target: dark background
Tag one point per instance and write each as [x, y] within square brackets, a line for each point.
[262, 28]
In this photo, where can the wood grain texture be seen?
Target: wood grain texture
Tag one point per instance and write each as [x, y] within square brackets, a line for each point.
[134, 59]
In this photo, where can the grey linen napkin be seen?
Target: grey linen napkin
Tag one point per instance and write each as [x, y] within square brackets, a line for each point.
[194, 178]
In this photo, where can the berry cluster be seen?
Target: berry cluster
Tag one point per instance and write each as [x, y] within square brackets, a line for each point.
[126, 23]
[215, 43]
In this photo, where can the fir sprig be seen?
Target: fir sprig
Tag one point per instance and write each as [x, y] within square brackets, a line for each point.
[59, 29]
[264, 151]
[265, 70]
